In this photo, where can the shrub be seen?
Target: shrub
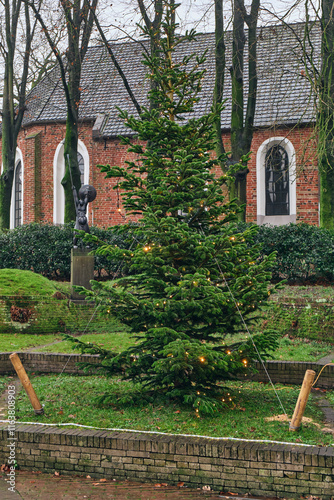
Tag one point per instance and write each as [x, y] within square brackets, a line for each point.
[46, 249]
[304, 252]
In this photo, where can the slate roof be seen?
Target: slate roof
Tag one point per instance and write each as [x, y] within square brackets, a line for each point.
[284, 93]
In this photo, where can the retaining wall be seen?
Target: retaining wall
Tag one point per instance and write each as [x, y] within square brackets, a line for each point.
[284, 372]
[269, 469]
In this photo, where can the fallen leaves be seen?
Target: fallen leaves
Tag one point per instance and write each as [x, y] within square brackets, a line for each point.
[103, 480]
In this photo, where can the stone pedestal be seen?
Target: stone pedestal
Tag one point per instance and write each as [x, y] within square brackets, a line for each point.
[82, 271]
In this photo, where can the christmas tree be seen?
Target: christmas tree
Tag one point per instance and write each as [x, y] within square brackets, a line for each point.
[193, 277]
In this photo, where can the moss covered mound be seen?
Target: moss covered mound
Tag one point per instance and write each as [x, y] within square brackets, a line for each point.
[30, 303]
[15, 282]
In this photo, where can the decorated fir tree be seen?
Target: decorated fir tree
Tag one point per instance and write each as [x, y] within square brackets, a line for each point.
[193, 278]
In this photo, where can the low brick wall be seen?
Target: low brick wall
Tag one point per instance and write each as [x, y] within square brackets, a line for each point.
[47, 362]
[283, 470]
[292, 372]
[284, 372]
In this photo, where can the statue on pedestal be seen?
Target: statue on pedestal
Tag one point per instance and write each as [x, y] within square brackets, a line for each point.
[86, 195]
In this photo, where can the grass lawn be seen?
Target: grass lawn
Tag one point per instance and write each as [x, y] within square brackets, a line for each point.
[66, 400]
[4, 381]
[289, 349]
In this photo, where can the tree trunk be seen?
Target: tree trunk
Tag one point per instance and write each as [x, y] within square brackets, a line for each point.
[8, 144]
[72, 172]
[325, 119]
[220, 72]
[11, 120]
[238, 189]
[153, 31]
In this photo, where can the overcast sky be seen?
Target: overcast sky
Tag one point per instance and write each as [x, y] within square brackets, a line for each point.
[199, 14]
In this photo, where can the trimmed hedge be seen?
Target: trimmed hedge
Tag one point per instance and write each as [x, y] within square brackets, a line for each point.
[304, 253]
[46, 249]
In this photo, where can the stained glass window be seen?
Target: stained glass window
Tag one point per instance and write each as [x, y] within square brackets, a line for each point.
[277, 181]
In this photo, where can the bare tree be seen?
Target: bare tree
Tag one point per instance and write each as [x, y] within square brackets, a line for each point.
[242, 115]
[79, 18]
[325, 117]
[13, 103]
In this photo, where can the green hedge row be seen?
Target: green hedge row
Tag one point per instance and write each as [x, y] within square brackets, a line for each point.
[46, 249]
[304, 253]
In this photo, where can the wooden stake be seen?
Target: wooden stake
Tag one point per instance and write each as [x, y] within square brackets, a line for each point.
[22, 374]
[302, 400]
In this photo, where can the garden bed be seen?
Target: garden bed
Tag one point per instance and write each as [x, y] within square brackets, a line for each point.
[248, 413]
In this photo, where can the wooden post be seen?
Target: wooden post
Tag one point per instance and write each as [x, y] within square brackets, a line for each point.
[22, 374]
[302, 400]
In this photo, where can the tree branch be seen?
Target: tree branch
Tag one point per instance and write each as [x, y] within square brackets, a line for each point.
[117, 66]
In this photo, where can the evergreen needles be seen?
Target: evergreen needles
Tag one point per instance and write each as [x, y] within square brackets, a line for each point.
[190, 271]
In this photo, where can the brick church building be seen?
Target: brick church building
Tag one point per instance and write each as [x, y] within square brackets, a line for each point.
[282, 184]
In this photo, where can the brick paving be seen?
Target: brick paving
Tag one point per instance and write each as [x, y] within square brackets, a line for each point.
[39, 486]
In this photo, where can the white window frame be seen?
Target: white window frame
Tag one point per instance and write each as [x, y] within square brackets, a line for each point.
[275, 220]
[58, 174]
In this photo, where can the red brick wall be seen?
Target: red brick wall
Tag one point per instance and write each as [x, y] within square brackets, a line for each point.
[103, 211]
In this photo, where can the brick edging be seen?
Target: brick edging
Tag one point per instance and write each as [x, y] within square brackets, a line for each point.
[259, 468]
[284, 372]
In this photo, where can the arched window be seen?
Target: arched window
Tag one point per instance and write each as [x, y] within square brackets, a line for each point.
[18, 195]
[58, 174]
[17, 198]
[277, 181]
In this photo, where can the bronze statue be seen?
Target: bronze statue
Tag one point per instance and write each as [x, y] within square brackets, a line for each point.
[87, 194]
